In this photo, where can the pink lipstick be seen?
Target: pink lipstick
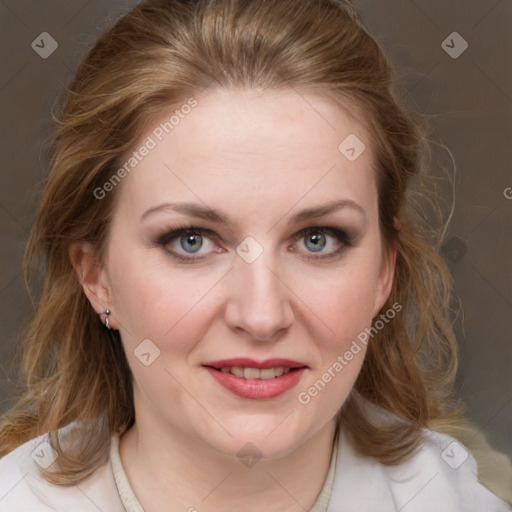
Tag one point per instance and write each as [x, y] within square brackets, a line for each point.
[256, 380]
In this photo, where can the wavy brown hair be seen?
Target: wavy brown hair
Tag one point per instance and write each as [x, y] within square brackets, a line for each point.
[157, 55]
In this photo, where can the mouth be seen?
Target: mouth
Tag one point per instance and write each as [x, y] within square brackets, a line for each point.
[251, 379]
[249, 373]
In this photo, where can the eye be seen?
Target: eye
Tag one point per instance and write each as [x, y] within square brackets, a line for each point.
[187, 241]
[327, 241]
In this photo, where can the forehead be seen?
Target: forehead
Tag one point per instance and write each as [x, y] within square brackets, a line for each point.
[252, 148]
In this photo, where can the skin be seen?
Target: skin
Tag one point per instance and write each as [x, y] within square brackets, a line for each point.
[260, 158]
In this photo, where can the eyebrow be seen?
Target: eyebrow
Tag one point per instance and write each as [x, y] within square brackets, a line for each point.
[216, 216]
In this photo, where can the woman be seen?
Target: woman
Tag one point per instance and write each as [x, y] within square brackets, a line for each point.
[240, 307]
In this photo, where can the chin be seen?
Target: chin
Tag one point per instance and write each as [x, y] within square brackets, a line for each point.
[270, 439]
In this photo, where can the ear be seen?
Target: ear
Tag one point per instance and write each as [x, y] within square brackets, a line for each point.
[386, 275]
[92, 276]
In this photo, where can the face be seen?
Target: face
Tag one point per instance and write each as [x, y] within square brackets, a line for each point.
[244, 260]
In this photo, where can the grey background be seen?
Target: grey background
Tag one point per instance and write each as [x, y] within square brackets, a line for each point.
[469, 100]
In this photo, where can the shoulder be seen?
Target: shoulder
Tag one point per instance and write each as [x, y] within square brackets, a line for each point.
[441, 476]
[445, 473]
[23, 488]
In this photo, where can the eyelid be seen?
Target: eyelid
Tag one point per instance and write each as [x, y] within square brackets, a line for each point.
[180, 231]
[332, 230]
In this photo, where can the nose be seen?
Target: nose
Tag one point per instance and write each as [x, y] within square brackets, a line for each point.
[259, 300]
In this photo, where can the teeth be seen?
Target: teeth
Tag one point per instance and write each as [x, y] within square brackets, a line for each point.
[266, 373]
[256, 373]
[238, 371]
[251, 373]
[280, 370]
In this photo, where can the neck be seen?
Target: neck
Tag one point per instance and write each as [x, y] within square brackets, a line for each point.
[171, 471]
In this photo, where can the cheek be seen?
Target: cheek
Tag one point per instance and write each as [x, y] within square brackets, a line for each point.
[344, 308]
[152, 302]
[342, 301]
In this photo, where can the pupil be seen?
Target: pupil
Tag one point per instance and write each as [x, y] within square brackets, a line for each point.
[194, 241]
[318, 242]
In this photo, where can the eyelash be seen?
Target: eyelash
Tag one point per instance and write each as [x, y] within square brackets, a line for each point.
[342, 237]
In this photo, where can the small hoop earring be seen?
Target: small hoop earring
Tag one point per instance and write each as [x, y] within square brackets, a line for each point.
[106, 313]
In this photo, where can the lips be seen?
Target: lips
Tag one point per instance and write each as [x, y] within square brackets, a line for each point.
[248, 378]
[244, 362]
